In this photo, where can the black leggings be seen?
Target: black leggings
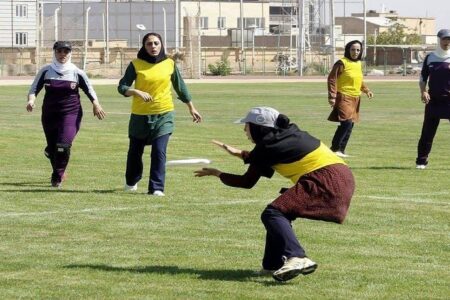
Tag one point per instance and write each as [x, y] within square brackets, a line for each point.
[342, 135]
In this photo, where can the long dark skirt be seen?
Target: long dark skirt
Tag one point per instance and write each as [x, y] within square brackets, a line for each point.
[324, 194]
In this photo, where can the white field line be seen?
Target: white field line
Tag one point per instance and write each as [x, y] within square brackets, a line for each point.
[405, 199]
[93, 210]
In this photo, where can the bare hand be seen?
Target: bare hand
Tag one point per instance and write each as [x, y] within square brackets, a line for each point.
[30, 106]
[98, 111]
[196, 117]
[425, 97]
[143, 95]
[231, 150]
[332, 101]
[369, 94]
[207, 172]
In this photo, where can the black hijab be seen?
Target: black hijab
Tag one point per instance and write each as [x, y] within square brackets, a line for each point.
[347, 50]
[284, 144]
[143, 54]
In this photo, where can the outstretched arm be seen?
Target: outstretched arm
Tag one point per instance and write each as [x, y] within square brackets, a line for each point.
[246, 181]
[231, 150]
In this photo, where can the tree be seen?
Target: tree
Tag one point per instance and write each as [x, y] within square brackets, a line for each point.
[395, 36]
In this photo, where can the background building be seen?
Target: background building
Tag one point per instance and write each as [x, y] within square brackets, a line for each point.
[252, 36]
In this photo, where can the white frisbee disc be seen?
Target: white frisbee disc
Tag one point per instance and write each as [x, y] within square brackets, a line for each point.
[188, 162]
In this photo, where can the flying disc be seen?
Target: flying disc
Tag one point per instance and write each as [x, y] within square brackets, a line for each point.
[188, 162]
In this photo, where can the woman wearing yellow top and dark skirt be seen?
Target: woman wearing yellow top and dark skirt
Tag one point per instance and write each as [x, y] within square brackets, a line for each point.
[152, 117]
[345, 84]
[322, 190]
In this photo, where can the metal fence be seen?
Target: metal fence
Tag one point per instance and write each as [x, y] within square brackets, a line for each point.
[106, 39]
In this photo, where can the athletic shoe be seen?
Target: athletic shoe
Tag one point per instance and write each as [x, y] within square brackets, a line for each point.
[56, 184]
[264, 272]
[293, 267]
[341, 154]
[421, 167]
[158, 193]
[130, 188]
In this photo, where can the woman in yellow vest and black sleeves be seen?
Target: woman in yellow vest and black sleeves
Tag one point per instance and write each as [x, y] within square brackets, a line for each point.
[152, 117]
[345, 84]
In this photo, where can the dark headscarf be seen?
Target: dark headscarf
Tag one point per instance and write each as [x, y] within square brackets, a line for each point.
[143, 54]
[284, 144]
[347, 50]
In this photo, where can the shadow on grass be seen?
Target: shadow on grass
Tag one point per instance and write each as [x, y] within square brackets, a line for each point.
[226, 275]
[44, 187]
[383, 168]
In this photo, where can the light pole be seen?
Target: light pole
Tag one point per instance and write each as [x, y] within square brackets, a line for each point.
[365, 37]
[165, 27]
[55, 17]
[332, 34]
[141, 28]
[86, 29]
[241, 10]
[107, 33]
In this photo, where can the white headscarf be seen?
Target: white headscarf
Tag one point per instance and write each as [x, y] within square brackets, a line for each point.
[441, 52]
[64, 68]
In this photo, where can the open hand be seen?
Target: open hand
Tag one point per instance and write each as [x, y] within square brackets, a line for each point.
[98, 111]
[207, 172]
[231, 150]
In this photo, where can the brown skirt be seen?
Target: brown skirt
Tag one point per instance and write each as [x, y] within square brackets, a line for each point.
[345, 108]
[323, 194]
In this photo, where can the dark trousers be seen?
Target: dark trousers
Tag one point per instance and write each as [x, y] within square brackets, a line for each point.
[157, 165]
[60, 131]
[341, 136]
[280, 239]
[429, 128]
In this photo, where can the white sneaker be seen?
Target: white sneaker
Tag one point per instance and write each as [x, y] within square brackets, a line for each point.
[421, 167]
[158, 193]
[130, 188]
[340, 154]
[293, 267]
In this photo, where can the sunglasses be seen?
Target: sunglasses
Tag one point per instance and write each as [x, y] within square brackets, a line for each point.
[63, 50]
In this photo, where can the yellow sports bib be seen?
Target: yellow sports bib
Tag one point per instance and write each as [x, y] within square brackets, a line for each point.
[154, 79]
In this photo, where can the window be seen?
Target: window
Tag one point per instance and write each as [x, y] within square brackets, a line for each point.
[21, 11]
[252, 22]
[204, 22]
[21, 38]
[279, 10]
[221, 23]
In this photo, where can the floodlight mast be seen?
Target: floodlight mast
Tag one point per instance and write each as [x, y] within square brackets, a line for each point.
[107, 33]
[300, 36]
[332, 33]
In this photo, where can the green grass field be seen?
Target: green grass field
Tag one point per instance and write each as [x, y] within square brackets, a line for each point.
[204, 240]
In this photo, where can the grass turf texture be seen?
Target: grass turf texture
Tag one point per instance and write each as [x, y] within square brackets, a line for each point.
[204, 240]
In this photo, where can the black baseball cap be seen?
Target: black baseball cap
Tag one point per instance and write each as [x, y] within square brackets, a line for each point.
[62, 45]
[443, 33]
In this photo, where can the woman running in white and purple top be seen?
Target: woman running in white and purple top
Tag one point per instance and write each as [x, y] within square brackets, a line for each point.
[61, 109]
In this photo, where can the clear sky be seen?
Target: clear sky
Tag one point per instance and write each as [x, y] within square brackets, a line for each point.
[439, 9]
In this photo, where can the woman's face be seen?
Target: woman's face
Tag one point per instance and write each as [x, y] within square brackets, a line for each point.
[62, 55]
[153, 45]
[247, 132]
[355, 49]
[445, 43]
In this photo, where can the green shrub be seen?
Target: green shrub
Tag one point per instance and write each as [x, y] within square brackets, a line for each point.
[221, 68]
